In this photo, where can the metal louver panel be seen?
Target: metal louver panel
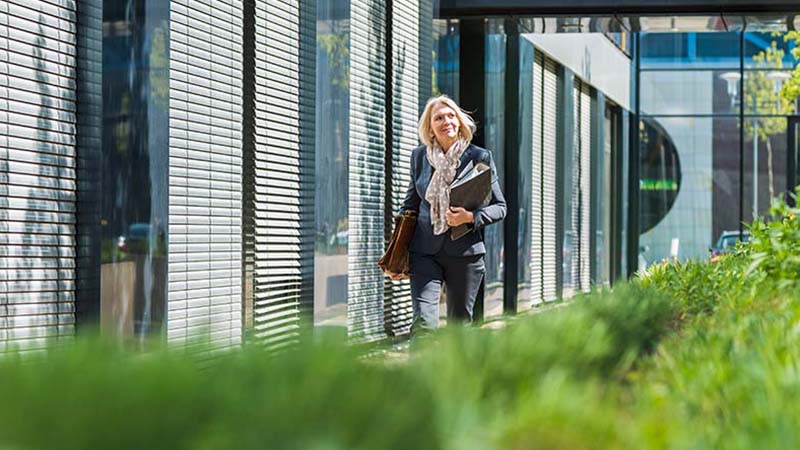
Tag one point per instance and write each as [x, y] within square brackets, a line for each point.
[585, 185]
[549, 151]
[405, 107]
[38, 47]
[205, 160]
[425, 46]
[365, 290]
[279, 161]
[575, 194]
[536, 250]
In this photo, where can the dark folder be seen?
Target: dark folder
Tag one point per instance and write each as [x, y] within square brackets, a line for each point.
[471, 191]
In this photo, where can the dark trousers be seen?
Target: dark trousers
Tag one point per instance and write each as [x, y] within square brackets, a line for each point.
[461, 275]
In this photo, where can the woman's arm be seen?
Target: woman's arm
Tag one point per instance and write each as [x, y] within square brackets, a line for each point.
[412, 199]
[495, 211]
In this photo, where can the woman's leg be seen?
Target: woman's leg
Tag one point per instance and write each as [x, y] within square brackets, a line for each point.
[426, 284]
[463, 276]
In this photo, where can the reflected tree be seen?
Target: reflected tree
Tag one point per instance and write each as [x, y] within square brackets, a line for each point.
[764, 95]
[790, 91]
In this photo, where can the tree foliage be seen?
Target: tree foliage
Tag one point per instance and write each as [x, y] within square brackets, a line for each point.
[791, 89]
[762, 98]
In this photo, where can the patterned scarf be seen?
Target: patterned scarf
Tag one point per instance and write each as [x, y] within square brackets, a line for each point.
[438, 193]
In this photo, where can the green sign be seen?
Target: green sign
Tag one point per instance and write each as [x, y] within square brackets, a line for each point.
[657, 185]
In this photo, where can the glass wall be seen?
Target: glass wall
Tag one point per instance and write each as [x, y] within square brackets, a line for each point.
[689, 144]
[698, 178]
[332, 144]
[605, 145]
[494, 130]
[445, 58]
[767, 64]
[133, 211]
[525, 161]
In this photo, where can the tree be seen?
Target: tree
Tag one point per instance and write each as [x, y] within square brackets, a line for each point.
[791, 89]
[763, 99]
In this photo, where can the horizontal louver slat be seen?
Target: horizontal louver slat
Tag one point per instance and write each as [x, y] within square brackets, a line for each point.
[585, 182]
[537, 236]
[205, 173]
[365, 309]
[38, 84]
[280, 243]
[405, 106]
[549, 151]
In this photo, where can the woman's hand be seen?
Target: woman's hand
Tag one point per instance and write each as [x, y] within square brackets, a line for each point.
[457, 215]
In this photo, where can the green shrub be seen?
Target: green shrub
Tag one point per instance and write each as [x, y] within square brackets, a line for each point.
[604, 371]
[488, 385]
[318, 396]
[698, 287]
[775, 246]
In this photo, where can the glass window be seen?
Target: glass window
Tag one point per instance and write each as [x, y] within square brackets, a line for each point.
[494, 130]
[663, 47]
[445, 57]
[623, 165]
[765, 161]
[669, 50]
[767, 50]
[526, 55]
[689, 185]
[685, 92]
[762, 92]
[332, 143]
[133, 211]
[603, 194]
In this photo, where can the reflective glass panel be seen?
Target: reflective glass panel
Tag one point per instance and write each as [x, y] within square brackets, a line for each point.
[765, 162]
[445, 57]
[681, 24]
[762, 92]
[134, 213]
[685, 92]
[768, 50]
[526, 54]
[689, 185]
[332, 143]
[716, 49]
[494, 130]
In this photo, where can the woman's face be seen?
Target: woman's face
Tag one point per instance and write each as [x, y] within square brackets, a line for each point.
[444, 124]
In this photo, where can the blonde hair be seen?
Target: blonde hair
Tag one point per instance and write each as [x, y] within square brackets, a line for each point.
[466, 126]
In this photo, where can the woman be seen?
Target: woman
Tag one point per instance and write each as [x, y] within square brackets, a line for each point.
[434, 258]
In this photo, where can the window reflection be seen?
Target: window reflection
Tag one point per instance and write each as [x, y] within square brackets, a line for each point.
[494, 130]
[332, 142]
[689, 198]
[135, 185]
[526, 57]
[445, 58]
[765, 161]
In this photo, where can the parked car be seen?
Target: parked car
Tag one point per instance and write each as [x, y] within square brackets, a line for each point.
[727, 241]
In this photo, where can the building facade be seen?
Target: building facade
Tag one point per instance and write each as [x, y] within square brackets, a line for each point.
[227, 170]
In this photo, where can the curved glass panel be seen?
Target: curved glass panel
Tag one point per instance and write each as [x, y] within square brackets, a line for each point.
[689, 186]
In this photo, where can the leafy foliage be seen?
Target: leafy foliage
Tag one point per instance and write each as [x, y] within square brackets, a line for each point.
[689, 355]
[775, 246]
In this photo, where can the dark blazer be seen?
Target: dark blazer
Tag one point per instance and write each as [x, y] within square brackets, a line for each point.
[424, 241]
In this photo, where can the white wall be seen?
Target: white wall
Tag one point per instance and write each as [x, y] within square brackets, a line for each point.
[593, 58]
